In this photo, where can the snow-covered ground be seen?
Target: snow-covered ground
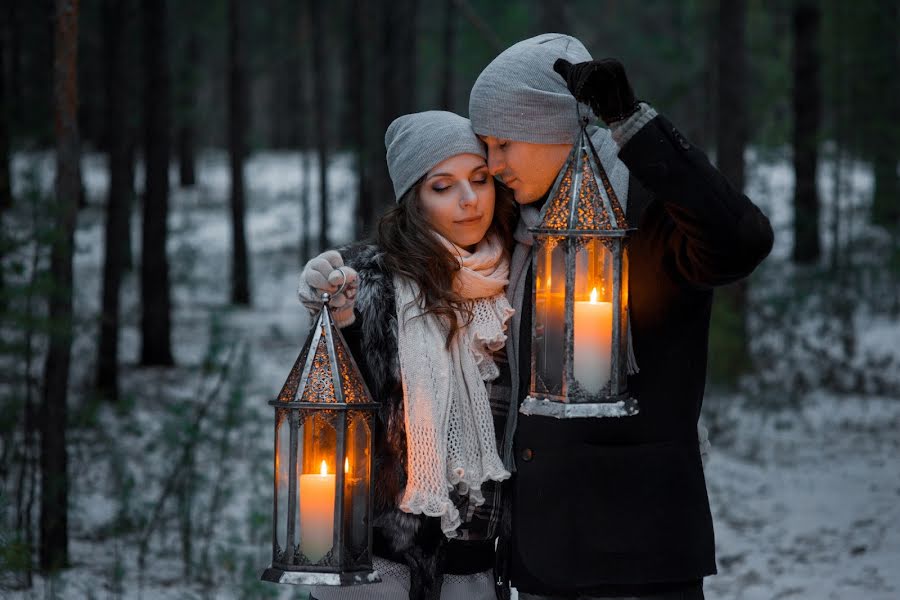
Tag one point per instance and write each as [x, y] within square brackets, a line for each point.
[805, 494]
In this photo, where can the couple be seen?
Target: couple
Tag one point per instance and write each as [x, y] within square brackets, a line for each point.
[469, 494]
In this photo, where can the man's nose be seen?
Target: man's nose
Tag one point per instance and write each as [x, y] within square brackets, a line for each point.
[496, 163]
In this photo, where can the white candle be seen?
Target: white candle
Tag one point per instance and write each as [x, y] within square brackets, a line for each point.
[316, 513]
[593, 343]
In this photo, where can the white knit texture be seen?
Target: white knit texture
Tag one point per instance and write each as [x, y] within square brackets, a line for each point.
[449, 426]
[450, 440]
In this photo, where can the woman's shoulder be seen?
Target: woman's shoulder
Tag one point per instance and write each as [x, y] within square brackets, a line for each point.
[364, 256]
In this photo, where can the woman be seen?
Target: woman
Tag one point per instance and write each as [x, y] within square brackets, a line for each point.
[423, 309]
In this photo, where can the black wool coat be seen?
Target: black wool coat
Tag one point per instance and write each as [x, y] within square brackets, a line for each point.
[618, 506]
[414, 540]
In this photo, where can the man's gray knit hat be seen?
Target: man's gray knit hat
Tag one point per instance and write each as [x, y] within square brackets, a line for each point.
[417, 142]
[519, 96]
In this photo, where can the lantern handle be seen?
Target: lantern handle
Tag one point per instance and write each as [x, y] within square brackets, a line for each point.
[585, 120]
[326, 297]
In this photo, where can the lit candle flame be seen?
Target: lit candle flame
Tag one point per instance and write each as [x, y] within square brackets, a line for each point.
[594, 296]
[346, 465]
[548, 283]
[324, 469]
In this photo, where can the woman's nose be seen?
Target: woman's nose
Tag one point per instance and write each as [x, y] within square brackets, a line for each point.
[468, 194]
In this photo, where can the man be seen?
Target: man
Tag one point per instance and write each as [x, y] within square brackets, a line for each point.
[609, 507]
[615, 507]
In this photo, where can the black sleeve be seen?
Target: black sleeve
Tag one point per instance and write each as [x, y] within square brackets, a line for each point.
[719, 235]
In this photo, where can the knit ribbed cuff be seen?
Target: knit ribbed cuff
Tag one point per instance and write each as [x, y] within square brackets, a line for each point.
[622, 131]
[344, 317]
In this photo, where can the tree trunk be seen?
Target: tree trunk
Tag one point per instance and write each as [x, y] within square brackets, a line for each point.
[807, 111]
[552, 16]
[118, 198]
[6, 200]
[300, 79]
[729, 355]
[396, 65]
[156, 344]
[321, 97]
[237, 130]
[885, 137]
[186, 154]
[449, 42]
[357, 83]
[54, 546]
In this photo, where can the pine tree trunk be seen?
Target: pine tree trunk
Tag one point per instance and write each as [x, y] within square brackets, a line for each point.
[156, 344]
[6, 199]
[301, 80]
[807, 111]
[397, 66]
[552, 16]
[107, 376]
[237, 130]
[728, 333]
[385, 106]
[321, 97]
[357, 84]
[449, 44]
[886, 138]
[54, 543]
[187, 170]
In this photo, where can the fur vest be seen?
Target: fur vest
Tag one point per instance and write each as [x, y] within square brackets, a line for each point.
[414, 540]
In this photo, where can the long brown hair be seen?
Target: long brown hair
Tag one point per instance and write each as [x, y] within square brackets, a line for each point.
[412, 251]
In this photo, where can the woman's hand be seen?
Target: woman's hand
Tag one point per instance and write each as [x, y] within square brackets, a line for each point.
[326, 273]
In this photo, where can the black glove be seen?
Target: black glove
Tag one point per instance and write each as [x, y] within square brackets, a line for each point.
[602, 85]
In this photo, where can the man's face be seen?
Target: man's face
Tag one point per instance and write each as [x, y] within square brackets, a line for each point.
[528, 169]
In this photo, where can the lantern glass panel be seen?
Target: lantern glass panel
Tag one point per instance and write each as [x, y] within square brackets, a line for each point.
[549, 315]
[356, 488]
[282, 475]
[592, 352]
[316, 485]
[623, 330]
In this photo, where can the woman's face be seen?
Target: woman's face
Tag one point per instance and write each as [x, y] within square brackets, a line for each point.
[457, 199]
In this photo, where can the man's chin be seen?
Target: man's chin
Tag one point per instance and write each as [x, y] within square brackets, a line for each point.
[527, 196]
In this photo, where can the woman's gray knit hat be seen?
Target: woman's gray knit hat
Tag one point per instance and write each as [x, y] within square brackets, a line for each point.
[417, 142]
[519, 96]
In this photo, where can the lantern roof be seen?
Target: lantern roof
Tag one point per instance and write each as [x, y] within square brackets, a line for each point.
[325, 372]
[582, 199]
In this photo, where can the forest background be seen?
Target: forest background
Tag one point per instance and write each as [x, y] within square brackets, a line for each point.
[166, 168]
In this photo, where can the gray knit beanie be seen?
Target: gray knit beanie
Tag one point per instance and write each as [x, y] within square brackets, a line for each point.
[417, 142]
[519, 96]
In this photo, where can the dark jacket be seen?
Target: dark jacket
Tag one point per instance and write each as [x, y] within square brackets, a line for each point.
[618, 506]
[415, 540]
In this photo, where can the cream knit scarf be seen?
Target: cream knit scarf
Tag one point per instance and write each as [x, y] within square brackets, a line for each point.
[450, 440]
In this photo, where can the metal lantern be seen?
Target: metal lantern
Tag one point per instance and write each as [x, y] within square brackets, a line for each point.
[580, 349]
[323, 467]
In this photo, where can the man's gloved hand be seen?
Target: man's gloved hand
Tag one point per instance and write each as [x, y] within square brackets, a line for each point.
[602, 85]
[327, 273]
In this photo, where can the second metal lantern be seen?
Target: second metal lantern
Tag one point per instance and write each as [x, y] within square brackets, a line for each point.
[580, 342]
[323, 467]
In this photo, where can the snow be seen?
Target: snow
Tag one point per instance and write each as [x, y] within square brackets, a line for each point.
[804, 486]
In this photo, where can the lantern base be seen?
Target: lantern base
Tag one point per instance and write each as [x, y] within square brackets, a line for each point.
[562, 410]
[276, 575]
